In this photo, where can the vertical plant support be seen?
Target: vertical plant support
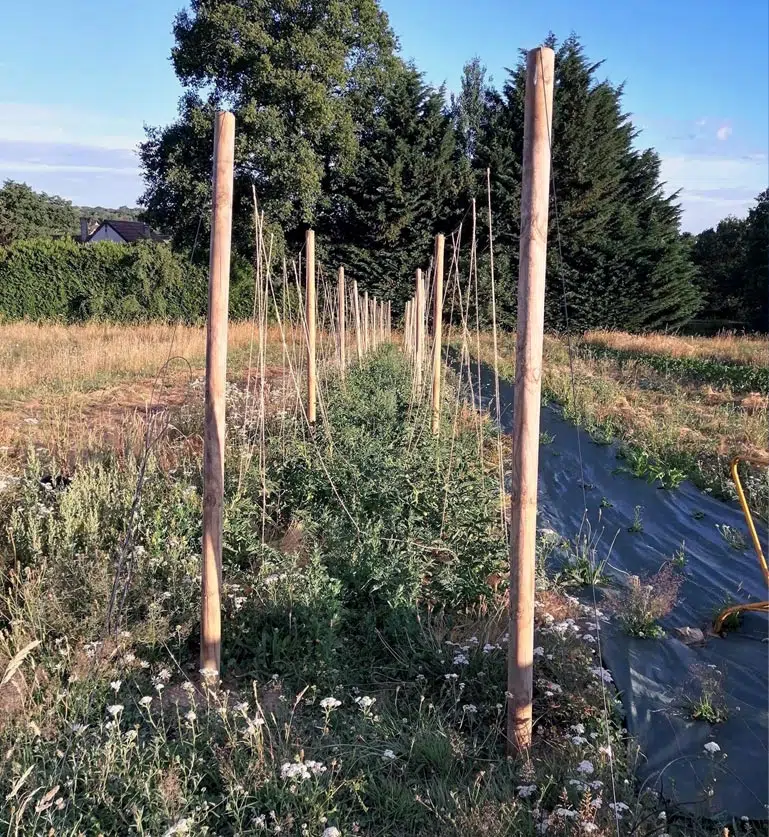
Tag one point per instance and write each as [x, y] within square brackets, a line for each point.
[420, 330]
[310, 312]
[216, 379]
[366, 319]
[535, 193]
[440, 246]
[358, 335]
[342, 330]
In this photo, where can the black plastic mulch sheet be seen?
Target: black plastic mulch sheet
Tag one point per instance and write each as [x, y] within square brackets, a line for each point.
[655, 677]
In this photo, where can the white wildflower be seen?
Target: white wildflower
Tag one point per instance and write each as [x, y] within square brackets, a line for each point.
[365, 702]
[145, 701]
[191, 716]
[115, 685]
[460, 660]
[388, 755]
[451, 676]
[525, 791]
[188, 687]
[115, 709]
[578, 740]
[470, 708]
[601, 673]
[330, 703]
[585, 767]
[712, 748]
[332, 831]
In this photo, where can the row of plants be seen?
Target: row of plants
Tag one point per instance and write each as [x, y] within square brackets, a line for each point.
[739, 377]
[364, 654]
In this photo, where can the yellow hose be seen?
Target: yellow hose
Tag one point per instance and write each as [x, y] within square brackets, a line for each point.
[753, 606]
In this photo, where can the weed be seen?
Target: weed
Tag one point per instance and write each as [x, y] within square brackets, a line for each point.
[708, 703]
[644, 601]
[732, 536]
[606, 503]
[637, 525]
[733, 622]
[546, 438]
[679, 557]
[583, 567]
[698, 514]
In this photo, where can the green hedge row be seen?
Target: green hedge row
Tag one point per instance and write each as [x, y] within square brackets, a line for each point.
[62, 280]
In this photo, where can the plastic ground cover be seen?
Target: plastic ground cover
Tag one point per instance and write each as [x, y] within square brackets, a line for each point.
[654, 676]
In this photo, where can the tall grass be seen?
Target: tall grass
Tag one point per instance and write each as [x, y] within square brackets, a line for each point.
[726, 346]
[364, 653]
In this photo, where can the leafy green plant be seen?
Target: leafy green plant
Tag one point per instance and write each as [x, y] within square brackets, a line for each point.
[606, 503]
[679, 556]
[546, 438]
[719, 373]
[708, 703]
[637, 525]
[583, 567]
[733, 622]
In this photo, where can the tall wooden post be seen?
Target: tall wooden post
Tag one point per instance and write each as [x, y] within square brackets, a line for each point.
[216, 379]
[366, 307]
[440, 244]
[342, 330]
[310, 311]
[420, 329]
[358, 335]
[535, 191]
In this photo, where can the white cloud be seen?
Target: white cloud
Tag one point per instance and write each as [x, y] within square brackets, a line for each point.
[54, 123]
[713, 187]
[724, 132]
[11, 166]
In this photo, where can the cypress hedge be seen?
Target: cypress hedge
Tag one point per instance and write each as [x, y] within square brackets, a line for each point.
[44, 279]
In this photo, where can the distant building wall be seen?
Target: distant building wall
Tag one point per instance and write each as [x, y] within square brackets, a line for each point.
[106, 233]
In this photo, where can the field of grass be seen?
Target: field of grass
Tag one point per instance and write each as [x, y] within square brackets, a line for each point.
[671, 426]
[363, 682]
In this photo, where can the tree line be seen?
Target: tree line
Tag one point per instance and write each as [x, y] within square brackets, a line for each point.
[336, 131]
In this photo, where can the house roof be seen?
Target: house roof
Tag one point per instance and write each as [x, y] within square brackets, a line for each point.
[132, 230]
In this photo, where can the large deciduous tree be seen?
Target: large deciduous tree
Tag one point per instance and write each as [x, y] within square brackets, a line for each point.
[25, 214]
[298, 76]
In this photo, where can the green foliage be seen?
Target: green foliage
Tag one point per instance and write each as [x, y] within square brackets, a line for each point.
[708, 702]
[299, 78]
[25, 213]
[740, 377]
[637, 525]
[732, 262]
[63, 280]
[619, 234]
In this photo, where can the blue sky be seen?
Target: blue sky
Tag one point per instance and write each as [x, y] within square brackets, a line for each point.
[80, 79]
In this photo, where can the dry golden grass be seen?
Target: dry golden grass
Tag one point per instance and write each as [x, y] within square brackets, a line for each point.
[687, 425]
[48, 359]
[726, 346]
[77, 388]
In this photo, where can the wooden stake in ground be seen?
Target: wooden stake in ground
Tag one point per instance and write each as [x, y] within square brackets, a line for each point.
[420, 330]
[528, 385]
[366, 317]
[358, 335]
[216, 380]
[310, 312]
[342, 326]
[440, 245]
